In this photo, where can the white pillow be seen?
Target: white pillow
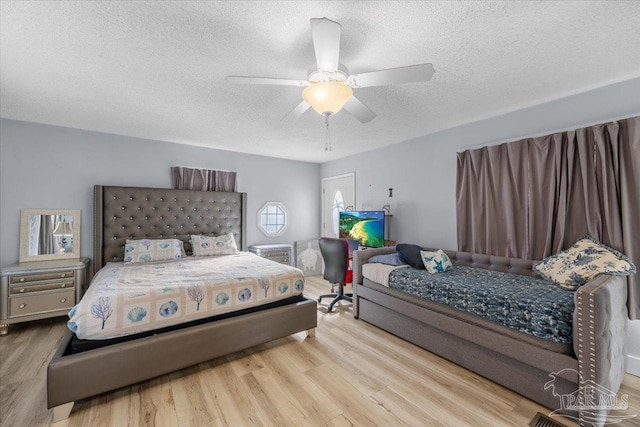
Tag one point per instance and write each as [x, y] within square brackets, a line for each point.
[224, 244]
[148, 250]
[436, 262]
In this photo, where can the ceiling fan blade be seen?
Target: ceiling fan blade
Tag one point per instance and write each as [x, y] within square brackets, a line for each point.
[267, 81]
[326, 43]
[359, 110]
[296, 112]
[412, 73]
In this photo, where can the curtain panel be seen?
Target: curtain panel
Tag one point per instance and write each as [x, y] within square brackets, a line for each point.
[46, 240]
[203, 179]
[535, 197]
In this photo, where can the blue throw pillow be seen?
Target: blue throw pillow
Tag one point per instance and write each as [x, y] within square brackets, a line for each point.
[389, 259]
[411, 255]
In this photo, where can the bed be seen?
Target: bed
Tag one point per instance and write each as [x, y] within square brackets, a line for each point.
[122, 213]
[592, 361]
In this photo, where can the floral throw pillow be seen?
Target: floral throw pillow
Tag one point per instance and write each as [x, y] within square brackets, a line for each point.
[583, 261]
[147, 250]
[436, 262]
[225, 244]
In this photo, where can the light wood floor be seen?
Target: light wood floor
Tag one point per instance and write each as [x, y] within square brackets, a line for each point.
[351, 373]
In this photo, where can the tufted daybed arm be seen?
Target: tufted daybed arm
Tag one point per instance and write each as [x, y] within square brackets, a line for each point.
[600, 336]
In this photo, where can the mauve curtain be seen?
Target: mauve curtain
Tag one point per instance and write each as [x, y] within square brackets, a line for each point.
[203, 179]
[535, 197]
[46, 240]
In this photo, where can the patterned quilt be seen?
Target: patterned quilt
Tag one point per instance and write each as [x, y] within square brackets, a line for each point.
[128, 299]
[531, 305]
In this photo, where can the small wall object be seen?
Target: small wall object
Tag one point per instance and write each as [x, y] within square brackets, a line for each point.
[308, 257]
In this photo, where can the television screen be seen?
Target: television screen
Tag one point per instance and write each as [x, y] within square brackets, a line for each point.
[367, 227]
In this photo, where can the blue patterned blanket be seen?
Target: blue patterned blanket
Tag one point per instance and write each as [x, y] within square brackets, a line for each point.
[531, 305]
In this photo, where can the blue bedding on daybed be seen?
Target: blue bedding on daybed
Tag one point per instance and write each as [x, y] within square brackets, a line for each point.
[528, 304]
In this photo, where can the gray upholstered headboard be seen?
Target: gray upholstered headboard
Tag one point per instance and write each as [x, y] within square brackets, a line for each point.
[122, 213]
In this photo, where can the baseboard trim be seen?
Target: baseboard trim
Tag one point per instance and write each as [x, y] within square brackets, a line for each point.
[633, 365]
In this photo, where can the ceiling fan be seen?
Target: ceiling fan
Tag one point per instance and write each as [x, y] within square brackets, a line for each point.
[329, 87]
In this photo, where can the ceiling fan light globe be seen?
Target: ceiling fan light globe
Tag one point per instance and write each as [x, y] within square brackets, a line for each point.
[327, 97]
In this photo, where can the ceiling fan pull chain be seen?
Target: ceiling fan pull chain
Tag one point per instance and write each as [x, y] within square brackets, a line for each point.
[327, 141]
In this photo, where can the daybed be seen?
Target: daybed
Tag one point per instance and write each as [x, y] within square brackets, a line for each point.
[508, 357]
[122, 213]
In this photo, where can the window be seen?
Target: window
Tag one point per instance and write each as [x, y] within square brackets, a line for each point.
[272, 219]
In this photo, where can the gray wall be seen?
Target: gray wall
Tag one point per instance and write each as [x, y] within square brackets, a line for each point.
[35, 172]
[422, 172]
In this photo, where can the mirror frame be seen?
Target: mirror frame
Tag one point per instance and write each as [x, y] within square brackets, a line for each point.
[24, 234]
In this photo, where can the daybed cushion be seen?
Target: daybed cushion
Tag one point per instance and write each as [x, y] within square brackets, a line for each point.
[453, 313]
[436, 262]
[225, 244]
[527, 304]
[148, 250]
[411, 255]
[583, 261]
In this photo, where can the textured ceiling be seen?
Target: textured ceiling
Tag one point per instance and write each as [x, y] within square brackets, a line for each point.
[157, 70]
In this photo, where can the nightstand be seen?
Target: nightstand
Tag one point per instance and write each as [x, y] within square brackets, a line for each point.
[40, 289]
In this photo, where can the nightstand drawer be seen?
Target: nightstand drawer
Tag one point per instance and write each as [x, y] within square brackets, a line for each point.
[27, 278]
[46, 301]
[51, 285]
[283, 259]
[274, 254]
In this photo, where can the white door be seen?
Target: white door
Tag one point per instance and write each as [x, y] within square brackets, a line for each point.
[338, 194]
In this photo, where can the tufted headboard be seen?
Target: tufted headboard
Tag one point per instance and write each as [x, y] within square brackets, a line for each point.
[122, 213]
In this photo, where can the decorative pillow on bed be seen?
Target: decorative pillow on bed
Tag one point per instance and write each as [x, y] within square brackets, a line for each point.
[389, 259]
[583, 261]
[224, 244]
[411, 255]
[147, 250]
[436, 262]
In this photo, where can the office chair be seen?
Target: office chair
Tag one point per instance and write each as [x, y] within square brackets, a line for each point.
[335, 253]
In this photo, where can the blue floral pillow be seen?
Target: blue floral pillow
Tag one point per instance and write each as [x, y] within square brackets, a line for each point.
[583, 261]
[224, 244]
[436, 262]
[148, 250]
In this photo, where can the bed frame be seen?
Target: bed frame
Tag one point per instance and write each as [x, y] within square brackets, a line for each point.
[122, 213]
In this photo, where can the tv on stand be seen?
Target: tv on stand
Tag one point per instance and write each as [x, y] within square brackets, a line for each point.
[367, 227]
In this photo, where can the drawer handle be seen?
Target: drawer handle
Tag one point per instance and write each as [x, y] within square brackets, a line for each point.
[63, 300]
[21, 290]
[64, 285]
[62, 275]
[23, 305]
[22, 279]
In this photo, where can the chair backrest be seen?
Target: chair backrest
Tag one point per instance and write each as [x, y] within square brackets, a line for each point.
[354, 245]
[335, 253]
